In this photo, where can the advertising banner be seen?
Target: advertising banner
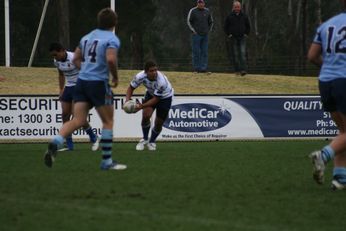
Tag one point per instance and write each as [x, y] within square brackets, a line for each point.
[190, 118]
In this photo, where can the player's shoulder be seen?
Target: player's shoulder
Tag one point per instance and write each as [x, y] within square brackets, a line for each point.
[138, 79]
[162, 78]
[70, 55]
[107, 34]
[337, 19]
[83, 39]
[161, 74]
[140, 75]
[86, 36]
[114, 40]
[109, 38]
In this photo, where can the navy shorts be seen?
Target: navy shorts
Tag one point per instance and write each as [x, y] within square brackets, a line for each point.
[162, 107]
[96, 93]
[333, 95]
[67, 95]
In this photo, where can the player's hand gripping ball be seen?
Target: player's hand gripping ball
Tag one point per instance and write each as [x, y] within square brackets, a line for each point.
[130, 106]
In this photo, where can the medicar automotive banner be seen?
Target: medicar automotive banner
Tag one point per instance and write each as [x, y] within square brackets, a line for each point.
[248, 117]
[190, 118]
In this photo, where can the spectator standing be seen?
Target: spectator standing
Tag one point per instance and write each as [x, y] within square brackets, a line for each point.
[200, 22]
[237, 29]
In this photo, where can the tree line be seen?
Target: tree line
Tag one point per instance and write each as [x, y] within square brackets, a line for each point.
[281, 32]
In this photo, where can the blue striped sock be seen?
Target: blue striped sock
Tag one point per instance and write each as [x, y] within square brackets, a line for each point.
[106, 145]
[58, 140]
[327, 153]
[339, 173]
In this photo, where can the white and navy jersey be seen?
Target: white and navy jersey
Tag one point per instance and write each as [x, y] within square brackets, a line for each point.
[94, 46]
[331, 35]
[69, 70]
[160, 87]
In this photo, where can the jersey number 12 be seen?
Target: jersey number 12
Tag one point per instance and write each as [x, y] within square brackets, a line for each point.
[338, 45]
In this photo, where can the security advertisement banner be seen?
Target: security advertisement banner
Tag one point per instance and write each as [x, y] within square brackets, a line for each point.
[190, 118]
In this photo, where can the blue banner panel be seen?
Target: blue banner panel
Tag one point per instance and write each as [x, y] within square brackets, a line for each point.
[289, 116]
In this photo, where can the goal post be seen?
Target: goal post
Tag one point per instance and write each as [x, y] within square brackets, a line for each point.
[7, 33]
[112, 5]
[38, 33]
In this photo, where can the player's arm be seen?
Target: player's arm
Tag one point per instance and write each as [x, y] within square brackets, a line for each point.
[61, 80]
[111, 58]
[153, 101]
[314, 54]
[129, 93]
[77, 58]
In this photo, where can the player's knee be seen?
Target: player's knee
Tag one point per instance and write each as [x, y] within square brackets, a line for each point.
[66, 117]
[79, 122]
[158, 129]
[158, 126]
[159, 122]
[145, 121]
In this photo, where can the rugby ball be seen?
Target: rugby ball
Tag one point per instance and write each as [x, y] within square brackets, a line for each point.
[130, 106]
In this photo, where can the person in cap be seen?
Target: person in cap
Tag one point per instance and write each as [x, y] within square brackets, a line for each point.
[200, 22]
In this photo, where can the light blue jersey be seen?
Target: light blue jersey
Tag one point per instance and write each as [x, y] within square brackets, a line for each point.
[93, 46]
[331, 35]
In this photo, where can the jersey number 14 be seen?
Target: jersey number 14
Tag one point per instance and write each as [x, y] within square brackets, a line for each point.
[91, 51]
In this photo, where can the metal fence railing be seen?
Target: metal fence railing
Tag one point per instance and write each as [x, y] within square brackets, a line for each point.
[278, 65]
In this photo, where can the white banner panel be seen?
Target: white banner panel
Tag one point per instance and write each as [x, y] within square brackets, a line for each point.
[39, 117]
[208, 117]
[190, 118]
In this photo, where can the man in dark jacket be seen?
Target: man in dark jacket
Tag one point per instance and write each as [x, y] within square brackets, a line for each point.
[237, 28]
[200, 23]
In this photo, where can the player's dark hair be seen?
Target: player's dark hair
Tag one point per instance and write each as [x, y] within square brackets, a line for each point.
[106, 19]
[55, 46]
[149, 64]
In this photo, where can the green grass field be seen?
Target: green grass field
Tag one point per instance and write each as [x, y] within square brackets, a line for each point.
[236, 185]
[26, 81]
